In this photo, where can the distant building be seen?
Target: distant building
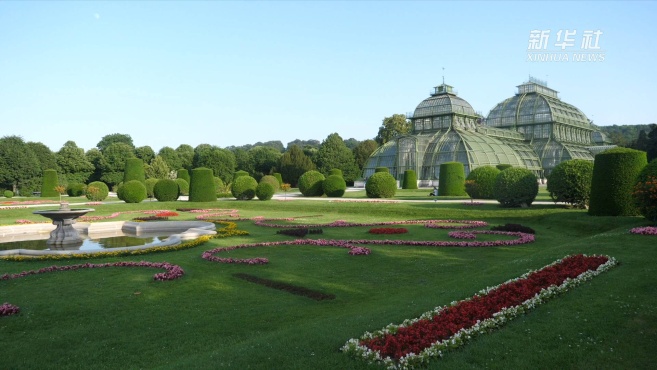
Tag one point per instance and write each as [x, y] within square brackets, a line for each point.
[533, 129]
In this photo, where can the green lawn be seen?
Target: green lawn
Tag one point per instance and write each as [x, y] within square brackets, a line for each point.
[121, 318]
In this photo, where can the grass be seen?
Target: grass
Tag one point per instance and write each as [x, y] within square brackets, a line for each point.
[120, 318]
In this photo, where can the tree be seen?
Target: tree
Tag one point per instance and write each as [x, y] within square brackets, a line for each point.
[293, 164]
[74, 165]
[243, 160]
[186, 155]
[220, 161]
[158, 169]
[171, 157]
[112, 164]
[333, 153]
[363, 151]
[351, 143]
[46, 157]
[145, 153]
[392, 127]
[303, 143]
[95, 157]
[651, 143]
[108, 140]
[264, 159]
[276, 144]
[18, 164]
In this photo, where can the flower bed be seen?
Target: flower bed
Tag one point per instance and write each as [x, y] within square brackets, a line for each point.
[648, 230]
[436, 224]
[388, 230]
[416, 341]
[300, 232]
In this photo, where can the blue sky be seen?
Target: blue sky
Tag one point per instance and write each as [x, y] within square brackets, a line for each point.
[235, 73]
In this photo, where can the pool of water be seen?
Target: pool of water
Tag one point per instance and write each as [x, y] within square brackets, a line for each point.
[88, 244]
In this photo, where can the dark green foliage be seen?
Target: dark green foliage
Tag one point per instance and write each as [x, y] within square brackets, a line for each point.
[219, 185]
[451, 179]
[363, 151]
[570, 182]
[113, 162]
[133, 191]
[183, 186]
[271, 180]
[166, 190]
[96, 191]
[265, 191]
[134, 170]
[279, 178]
[264, 158]
[73, 164]
[514, 228]
[484, 181]
[150, 185]
[49, 183]
[19, 166]
[244, 188]
[615, 172]
[516, 187]
[240, 173]
[220, 161]
[110, 139]
[201, 186]
[310, 184]
[334, 154]
[503, 167]
[45, 156]
[300, 232]
[410, 180]
[334, 186]
[382, 169]
[392, 127]
[145, 153]
[8, 194]
[75, 189]
[293, 164]
[170, 156]
[119, 190]
[645, 191]
[381, 185]
[183, 174]
[335, 171]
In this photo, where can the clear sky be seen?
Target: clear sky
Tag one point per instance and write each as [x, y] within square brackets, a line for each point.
[234, 73]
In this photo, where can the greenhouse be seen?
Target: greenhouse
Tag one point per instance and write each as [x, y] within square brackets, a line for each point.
[533, 129]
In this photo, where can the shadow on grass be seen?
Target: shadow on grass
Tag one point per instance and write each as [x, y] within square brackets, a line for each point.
[294, 289]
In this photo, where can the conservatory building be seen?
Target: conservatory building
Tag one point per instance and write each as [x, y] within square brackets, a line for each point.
[533, 129]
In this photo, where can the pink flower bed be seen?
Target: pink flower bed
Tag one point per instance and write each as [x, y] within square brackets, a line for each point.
[436, 224]
[648, 230]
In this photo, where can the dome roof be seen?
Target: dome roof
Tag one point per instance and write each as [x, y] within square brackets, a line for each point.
[443, 101]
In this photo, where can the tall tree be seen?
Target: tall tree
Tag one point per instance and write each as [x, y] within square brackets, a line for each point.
[651, 143]
[19, 166]
[243, 160]
[75, 166]
[363, 151]
[145, 153]
[333, 153]
[293, 164]
[303, 143]
[186, 155]
[46, 157]
[220, 161]
[351, 143]
[171, 157]
[108, 140]
[112, 164]
[158, 169]
[392, 127]
[95, 157]
[264, 159]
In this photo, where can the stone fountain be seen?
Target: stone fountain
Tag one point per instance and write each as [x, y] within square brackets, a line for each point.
[64, 218]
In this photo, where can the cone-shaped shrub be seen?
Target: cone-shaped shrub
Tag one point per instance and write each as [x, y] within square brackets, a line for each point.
[484, 181]
[334, 186]
[167, 190]
[183, 186]
[570, 182]
[49, 183]
[134, 170]
[183, 174]
[381, 169]
[96, 191]
[452, 179]
[244, 187]
[134, 191]
[271, 180]
[310, 184]
[201, 186]
[75, 189]
[410, 180]
[516, 187]
[381, 185]
[265, 190]
[615, 173]
[150, 184]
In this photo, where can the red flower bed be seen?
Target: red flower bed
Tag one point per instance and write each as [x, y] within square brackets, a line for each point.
[166, 214]
[388, 230]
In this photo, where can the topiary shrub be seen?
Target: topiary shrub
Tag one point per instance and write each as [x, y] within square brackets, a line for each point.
[219, 186]
[452, 179]
[240, 173]
[49, 183]
[310, 184]
[96, 191]
[166, 190]
[134, 170]
[8, 194]
[514, 228]
[570, 182]
[516, 187]
[334, 186]
[645, 192]
[201, 186]
[615, 172]
[134, 191]
[382, 169]
[183, 174]
[335, 171]
[265, 190]
[381, 185]
[279, 177]
[410, 180]
[150, 185]
[183, 186]
[483, 179]
[271, 180]
[244, 187]
[119, 190]
[75, 189]
[503, 167]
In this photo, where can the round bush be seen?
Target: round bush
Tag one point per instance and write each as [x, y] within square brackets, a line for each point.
[381, 169]
[516, 187]
[335, 171]
[271, 180]
[310, 184]
[570, 182]
[183, 174]
[96, 191]
[150, 185]
[49, 183]
[201, 186]
[410, 180]
[381, 185]
[8, 194]
[451, 179]
[265, 191]
[484, 181]
[166, 190]
[240, 173]
[244, 187]
[334, 186]
[119, 191]
[615, 172]
[75, 189]
[645, 191]
[183, 186]
[134, 170]
[134, 191]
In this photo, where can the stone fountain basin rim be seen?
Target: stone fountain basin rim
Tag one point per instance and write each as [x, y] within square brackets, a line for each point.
[189, 230]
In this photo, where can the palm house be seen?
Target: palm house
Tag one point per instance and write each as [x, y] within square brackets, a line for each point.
[533, 129]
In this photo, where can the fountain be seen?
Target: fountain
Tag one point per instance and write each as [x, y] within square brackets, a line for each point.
[63, 218]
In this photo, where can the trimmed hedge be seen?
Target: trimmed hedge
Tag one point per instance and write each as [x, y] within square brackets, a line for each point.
[382, 169]
[452, 179]
[183, 186]
[75, 189]
[334, 186]
[219, 186]
[265, 190]
[96, 191]
[484, 181]
[271, 180]
[335, 171]
[134, 170]
[381, 185]
[615, 173]
[183, 174]
[310, 184]
[150, 184]
[134, 191]
[279, 177]
[239, 173]
[516, 187]
[167, 190]
[201, 186]
[410, 180]
[49, 183]
[570, 182]
[244, 187]
[645, 192]
[8, 194]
